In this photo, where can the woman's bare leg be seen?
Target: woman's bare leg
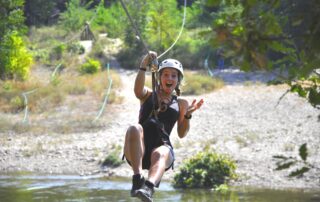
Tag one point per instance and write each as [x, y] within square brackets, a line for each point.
[161, 158]
[134, 147]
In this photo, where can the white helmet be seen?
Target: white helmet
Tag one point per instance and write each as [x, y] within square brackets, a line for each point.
[171, 63]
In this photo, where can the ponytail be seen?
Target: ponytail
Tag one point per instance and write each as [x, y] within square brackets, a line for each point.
[178, 91]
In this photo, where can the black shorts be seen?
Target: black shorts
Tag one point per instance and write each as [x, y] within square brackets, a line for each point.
[154, 137]
[146, 160]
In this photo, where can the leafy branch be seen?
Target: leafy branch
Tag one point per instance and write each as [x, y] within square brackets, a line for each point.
[285, 162]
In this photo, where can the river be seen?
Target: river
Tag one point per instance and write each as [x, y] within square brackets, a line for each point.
[69, 188]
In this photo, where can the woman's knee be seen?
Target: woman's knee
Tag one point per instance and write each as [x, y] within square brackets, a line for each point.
[134, 132]
[161, 153]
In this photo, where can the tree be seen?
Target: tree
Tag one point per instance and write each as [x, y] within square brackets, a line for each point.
[76, 15]
[163, 24]
[11, 16]
[112, 19]
[273, 34]
[40, 12]
[15, 60]
[134, 46]
[159, 24]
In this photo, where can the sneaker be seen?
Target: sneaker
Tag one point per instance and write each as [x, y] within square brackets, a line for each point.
[146, 192]
[137, 183]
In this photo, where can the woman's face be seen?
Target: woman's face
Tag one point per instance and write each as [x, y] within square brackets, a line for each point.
[169, 79]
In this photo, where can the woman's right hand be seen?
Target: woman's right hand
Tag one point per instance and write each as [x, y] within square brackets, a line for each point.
[147, 59]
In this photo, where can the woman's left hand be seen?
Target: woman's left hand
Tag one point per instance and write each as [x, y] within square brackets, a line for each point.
[194, 106]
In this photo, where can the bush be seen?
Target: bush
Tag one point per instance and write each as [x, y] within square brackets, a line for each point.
[58, 51]
[90, 67]
[75, 16]
[76, 48]
[15, 60]
[113, 158]
[205, 170]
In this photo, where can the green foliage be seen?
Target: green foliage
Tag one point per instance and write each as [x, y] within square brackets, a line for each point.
[11, 17]
[308, 88]
[271, 35]
[15, 60]
[39, 12]
[76, 15]
[285, 162]
[162, 25]
[191, 49]
[90, 67]
[76, 48]
[58, 51]
[134, 48]
[113, 158]
[205, 170]
[112, 20]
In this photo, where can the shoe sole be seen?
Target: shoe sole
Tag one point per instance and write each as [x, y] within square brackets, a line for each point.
[143, 197]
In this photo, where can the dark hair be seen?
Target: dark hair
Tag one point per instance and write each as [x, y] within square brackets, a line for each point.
[177, 89]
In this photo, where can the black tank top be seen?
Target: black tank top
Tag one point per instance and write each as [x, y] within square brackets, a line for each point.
[168, 117]
[154, 136]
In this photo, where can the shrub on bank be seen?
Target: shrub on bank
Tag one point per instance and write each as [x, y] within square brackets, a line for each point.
[206, 169]
[90, 67]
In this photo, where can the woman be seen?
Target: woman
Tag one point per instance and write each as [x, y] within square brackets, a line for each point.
[147, 144]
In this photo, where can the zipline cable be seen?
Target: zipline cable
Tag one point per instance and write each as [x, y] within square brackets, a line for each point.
[138, 34]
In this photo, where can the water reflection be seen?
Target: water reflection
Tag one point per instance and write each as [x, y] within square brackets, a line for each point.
[28, 188]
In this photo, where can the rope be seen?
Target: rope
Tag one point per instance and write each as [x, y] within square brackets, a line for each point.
[181, 29]
[206, 65]
[106, 96]
[26, 104]
[55, 71]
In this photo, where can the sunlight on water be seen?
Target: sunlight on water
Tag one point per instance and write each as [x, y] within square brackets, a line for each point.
[69, 188]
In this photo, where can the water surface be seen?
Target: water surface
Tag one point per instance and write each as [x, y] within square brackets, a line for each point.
[69, 188]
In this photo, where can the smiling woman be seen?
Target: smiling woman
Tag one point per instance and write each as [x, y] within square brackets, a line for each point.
[147, 144]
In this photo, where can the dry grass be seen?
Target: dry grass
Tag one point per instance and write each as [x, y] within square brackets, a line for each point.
[197, 83]
[54, 94]
[66, 105]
